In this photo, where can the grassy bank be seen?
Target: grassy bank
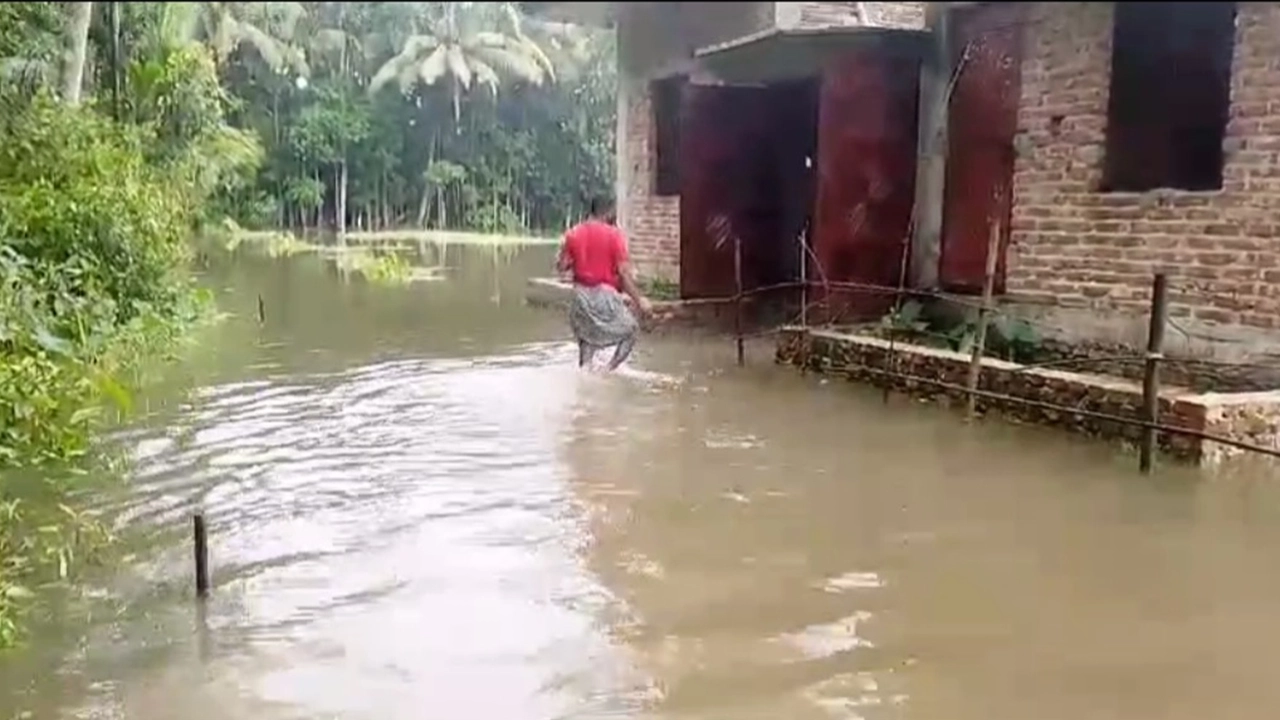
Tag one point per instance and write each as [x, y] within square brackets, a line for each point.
[377, 256]
[95, 290]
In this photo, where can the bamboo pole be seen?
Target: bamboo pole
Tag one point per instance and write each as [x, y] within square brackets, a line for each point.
[201, 546]
[737, 303]
[804, 276]
[984, 320]
[1151, 372]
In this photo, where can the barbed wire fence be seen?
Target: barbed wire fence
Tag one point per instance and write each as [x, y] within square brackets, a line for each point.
[1146, 418]
[833, 313]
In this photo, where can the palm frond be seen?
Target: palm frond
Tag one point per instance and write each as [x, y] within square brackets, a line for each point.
[512, 62]
[271, 50]
[179, 23]
[489, 39]
[485, 74]
[26, 72]
[535, 52]
[407, 77]
[330, 40]
[286, 16]
[433, 68]
[458, 66]
[389, 71]
[225, 35]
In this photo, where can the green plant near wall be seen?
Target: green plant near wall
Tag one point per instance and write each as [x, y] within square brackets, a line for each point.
[906, 319]
[1008, 337]
[660, 289]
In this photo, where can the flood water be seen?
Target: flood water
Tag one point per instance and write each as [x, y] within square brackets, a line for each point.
[420, 509]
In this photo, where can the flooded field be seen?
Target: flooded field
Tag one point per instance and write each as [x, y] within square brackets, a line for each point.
[419, 508]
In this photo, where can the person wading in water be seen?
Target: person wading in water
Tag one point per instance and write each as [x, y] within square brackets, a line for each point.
[595, 253]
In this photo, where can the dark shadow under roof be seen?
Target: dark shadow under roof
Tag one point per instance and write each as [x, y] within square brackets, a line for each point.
[775, 55]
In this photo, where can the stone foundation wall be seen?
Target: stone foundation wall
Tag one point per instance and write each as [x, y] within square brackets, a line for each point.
[1249, 417]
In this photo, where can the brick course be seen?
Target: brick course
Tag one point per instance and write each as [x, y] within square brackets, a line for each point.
[1075, 247]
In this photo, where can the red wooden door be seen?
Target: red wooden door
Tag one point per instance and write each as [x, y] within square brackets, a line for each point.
[982, 123]
[720, 129]
[866, 177]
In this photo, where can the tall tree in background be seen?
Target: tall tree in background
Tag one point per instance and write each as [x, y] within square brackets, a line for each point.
[342, 148]
[225, 27]
[455, 46]
[313, 82]
[77, 51]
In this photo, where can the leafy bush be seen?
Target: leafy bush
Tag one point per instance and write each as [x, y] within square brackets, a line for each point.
[93, 284]
[178, 101]
[77, 196]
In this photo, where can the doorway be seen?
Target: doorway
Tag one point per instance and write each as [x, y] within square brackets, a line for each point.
[748, 164]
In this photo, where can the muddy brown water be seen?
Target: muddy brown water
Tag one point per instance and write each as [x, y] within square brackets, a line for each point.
[419, 509]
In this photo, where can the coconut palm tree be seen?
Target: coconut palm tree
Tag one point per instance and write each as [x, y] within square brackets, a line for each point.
[265, 27]
[568, 46]
[458, 44]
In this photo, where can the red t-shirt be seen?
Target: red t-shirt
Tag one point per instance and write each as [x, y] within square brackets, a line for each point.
[595, 249]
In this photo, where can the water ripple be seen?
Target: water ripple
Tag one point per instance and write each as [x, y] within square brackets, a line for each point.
[418, 499]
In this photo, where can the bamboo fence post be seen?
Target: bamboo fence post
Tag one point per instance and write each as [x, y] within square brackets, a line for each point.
[201, 546]
[984, 319]
[1151, 372]
[737, 302]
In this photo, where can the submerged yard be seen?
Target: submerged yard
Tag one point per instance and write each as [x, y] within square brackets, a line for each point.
[415, 500]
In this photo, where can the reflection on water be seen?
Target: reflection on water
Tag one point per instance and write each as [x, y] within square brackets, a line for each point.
[419, 508]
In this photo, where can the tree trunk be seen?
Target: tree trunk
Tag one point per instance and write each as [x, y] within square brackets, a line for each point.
[422, 206]
[342, 201]
[77, 50]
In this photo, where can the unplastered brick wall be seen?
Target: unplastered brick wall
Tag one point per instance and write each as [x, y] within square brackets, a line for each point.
[652, 222]
[1079, 248]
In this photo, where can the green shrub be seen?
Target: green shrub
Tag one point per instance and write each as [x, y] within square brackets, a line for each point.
[93, 284]
[77, 196]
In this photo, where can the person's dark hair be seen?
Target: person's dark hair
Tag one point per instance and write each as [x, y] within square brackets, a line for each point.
[599, 206]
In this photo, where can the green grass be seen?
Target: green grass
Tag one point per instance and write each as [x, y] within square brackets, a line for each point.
[657, 289]
[448, 237]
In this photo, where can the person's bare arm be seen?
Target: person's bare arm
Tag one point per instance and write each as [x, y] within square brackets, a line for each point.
[564, 262]
[627, 275]
[627, 279]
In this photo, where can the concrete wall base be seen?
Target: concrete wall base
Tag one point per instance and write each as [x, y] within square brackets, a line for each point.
[1252, 417]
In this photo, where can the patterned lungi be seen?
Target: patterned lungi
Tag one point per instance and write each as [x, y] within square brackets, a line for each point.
[600, 317]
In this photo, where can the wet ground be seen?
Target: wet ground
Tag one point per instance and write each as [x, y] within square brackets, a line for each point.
[420, 509]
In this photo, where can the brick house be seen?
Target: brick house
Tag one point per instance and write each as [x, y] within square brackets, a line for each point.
[721, 110]
[1147, 141]
[1103, 141]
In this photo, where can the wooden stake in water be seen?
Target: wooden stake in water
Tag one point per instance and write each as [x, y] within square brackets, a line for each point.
[1151, 372]
[984, 319]
[737, 304]
[201, 543]
[262, 310]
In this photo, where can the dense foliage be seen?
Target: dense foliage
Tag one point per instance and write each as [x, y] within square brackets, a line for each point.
[125, 128]
[440, 115]
[96, 209]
